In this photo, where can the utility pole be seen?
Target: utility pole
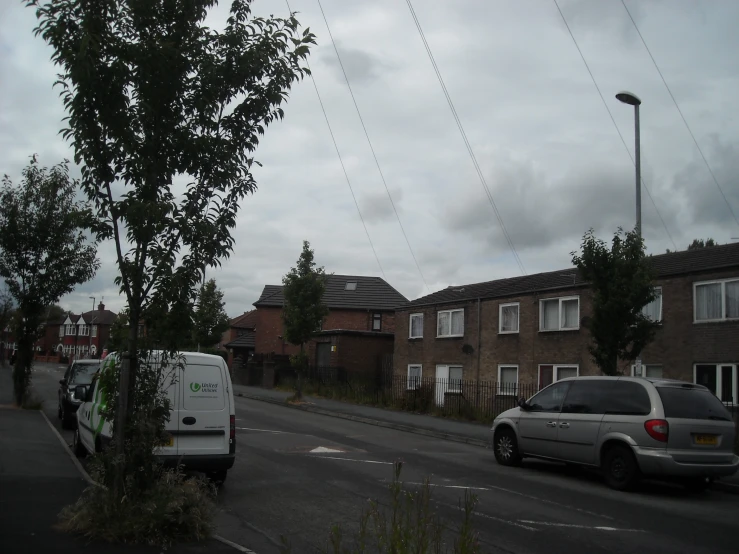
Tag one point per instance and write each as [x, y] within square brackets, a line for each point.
[633, 100]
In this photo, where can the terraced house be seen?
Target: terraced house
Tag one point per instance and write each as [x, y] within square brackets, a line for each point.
[529, 330]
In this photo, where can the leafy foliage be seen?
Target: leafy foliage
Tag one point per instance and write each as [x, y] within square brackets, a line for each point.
[211, 319]
[303, 289]
[118, 337]
[621, 282]
[55, 312]
[45, 252]
[700, 243]
[164, 114]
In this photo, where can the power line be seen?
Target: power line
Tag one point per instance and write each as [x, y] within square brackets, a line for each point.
[341, 160]
[628, 151]
[374, 155]
[464, 138]
[700, 151]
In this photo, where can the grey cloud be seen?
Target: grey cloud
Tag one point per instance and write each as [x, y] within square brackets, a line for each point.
[377, 207]
[361, 67]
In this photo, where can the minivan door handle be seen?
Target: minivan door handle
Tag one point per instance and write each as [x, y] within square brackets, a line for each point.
[565, 425]
[552, 424]
[188, 420]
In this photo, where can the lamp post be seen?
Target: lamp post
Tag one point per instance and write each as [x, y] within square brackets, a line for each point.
[633, 100]
[89, 332]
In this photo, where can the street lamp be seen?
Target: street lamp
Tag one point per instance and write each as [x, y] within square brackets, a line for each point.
[633, 100]
[89, 332]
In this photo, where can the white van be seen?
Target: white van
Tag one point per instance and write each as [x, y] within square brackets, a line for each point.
[202, 422]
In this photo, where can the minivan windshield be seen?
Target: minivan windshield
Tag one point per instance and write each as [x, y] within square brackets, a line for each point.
[690, 403]
[83, 373]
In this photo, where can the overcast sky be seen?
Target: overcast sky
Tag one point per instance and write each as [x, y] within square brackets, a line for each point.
[544, 141]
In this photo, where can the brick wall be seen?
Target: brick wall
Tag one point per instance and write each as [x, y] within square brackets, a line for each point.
[679, 344]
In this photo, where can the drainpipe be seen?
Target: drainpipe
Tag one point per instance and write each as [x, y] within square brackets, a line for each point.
[479, 344]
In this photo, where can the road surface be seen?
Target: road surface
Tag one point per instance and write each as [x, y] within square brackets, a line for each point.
[298, 473]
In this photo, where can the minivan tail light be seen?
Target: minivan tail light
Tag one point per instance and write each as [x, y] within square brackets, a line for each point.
[232, 435]
[658, 429]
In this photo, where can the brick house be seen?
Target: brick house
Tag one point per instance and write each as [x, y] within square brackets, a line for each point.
[357, 332]
[239, 338]
[529, 330]
[84, 335]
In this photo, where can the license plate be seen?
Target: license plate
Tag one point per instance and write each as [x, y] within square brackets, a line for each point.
[708, 440]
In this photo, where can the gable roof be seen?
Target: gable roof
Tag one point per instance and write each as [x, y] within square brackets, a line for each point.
[101, 317]
[247, 340]
[247, 320]
[371, 293]
[666, 265]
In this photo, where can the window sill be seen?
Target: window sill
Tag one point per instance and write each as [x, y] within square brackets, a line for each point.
[415, 338]
[449, 336]
[559, 330]
[508, 332]
[725, 320]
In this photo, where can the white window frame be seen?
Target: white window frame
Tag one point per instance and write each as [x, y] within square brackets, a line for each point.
[721, 282]
[374, 319]
[410, 326]
[719, 383]
[61, 330]
[84, 330]
[559, 314]
[555, 371]
[70, 330]
[450, 312]
[408, 376]
[449, 387]
[94, 331]
[644, 370]
[658, 290]
[518, 317]
[507, 392]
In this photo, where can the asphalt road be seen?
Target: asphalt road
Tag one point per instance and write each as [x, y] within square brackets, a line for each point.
[279, 487]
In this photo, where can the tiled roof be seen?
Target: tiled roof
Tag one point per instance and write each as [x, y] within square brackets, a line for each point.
[666, 265]
[101, 317]
[247, 340]
[247, 320]
[370, 293]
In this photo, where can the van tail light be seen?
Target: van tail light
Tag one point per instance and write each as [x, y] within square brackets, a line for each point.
[232, 435]
[658, 429]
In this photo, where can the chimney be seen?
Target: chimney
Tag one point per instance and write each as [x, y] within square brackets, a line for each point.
[101, 306]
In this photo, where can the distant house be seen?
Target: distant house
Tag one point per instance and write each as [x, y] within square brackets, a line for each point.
[531, 330]
[82, 335]
[239, 338]
[356, 334]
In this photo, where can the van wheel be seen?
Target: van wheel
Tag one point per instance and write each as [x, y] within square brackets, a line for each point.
[217, 477]
[505, 447]
[79, 450]
[619, 467]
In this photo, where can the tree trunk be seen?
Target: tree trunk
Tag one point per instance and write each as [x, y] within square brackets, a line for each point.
[299, 380]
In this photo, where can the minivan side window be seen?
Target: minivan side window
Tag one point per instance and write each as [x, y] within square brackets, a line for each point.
[550, 399]
[587, 397]
[628, 398]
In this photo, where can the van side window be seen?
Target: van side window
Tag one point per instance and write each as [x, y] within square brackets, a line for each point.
[587, 397]
[628, 398]
[550, 399]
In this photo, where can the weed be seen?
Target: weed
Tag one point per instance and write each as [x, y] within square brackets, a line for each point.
[32, 402]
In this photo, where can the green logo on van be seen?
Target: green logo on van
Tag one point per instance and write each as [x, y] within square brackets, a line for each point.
[194, 387]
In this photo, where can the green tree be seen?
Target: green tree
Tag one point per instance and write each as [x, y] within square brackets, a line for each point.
[55, 312]
[621, 283]
[6, 316]
[700, 243]
[303, 309]
[210, 318]
[44, 252]
[155, 95]
[118, 337]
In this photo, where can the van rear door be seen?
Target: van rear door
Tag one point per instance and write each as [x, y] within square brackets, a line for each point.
[204, 412]
[169, 384]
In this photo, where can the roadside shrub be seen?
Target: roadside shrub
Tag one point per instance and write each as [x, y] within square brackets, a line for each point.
[32, 402]
[174, 508]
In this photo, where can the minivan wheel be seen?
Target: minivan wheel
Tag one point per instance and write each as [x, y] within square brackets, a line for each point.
[79, 450]
[505, 447]
[620, 469]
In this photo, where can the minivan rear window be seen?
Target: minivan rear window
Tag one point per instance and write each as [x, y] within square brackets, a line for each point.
[689, 403]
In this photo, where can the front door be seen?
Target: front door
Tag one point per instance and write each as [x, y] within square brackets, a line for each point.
[537, 425]
[323, 354]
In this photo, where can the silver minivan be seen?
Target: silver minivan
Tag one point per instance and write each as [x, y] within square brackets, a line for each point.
[627, 426]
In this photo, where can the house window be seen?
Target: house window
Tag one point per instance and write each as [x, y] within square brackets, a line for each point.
[414, 376]
[559, 314]
[376, 322]
[508, 317]
[716, 300]
[84, 330]
[650, 371]
[61, 330]
[351, 285]
[720, 379]
[455, 378]
[653, 310]
[94, 330]
[548, 374]
[507, 380]
[71, 330]
[416, 326]
[450, 323]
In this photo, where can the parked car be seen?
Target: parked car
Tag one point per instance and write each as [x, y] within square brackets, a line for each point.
[202, 423]
[78, 373]
[626, 426]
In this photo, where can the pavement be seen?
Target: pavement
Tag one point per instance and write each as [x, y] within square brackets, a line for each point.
[299, 472]
[38, 478]
[470, 433]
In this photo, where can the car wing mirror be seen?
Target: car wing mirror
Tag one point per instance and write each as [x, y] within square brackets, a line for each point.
[80, 391]
[523, 404]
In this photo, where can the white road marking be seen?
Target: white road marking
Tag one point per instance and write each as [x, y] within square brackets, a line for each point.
[486, 516]
[324, 450]
[264, 430]
[574, 526]
[352, 460]
[238, 547]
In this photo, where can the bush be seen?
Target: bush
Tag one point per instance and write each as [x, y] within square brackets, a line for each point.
[175, 508]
